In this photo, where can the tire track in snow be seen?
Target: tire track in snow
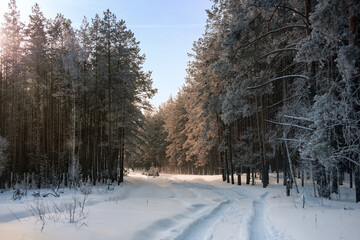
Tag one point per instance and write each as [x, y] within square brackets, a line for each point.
[203, 227]
[198, 228]
[241, 215]
[233, 215]
[258, 227]
[261, 227]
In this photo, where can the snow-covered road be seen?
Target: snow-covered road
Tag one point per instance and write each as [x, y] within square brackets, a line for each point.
[179, 207]
[241, 216]
[237, 215]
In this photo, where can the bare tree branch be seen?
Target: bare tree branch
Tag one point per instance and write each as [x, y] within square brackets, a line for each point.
[278, 78]
[290, 125]
[292, 139]
[272, 32]
[297, 118]
[266, 34]
[272, 52]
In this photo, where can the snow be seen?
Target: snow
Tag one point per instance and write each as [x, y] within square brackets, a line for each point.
[186, 207]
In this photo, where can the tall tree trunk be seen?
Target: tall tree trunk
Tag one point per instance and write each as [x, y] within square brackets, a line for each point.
[230, 154]
[122, 157]
[351, 176]
[247, 175]
[260, 144]
[73, 167]
[302, 177]
[334, 186]
[252, 176]
[237, 154]
[277, 168]
[290, 163]
[285, 167]
[227, 167]
[221, 153]
[266, 162]
[110, 157]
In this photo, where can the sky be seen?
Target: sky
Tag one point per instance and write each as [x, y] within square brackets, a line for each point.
[166, 30]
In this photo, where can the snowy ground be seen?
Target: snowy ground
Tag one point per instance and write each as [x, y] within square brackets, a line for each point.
[183, 207]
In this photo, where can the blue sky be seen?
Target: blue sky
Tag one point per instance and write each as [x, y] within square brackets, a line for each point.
[166, 30]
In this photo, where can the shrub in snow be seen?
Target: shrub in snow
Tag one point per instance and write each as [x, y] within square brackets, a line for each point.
[72, 211]
[85, 190]
[36, 194]
[17, 194]
[76, 209]
[38, 210]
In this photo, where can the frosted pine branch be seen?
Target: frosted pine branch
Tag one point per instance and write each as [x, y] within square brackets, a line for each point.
[272, 32]
[297, 118]
[292, 139]
[278, 78]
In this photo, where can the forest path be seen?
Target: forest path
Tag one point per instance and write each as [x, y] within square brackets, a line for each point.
[241, 215]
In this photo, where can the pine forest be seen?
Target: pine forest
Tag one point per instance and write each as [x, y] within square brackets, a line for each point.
[271, 86]
[271, 97]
